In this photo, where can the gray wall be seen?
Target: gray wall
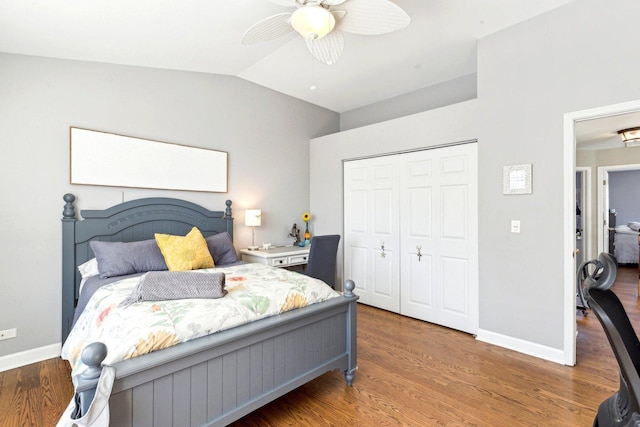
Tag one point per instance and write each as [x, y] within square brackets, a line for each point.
[624, 195]
[265, 133]
[529, 76]
[439, 95]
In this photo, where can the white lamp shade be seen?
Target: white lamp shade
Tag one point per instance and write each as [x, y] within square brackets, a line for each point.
[253, 217]
[312, 22]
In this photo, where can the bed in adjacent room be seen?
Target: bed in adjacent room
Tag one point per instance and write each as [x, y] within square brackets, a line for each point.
[625, 243]
[198, 344]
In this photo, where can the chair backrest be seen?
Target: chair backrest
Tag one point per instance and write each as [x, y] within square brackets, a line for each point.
[322, 258]
[624, 406]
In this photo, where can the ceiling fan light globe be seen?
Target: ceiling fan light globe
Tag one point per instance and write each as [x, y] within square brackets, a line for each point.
[312, 22]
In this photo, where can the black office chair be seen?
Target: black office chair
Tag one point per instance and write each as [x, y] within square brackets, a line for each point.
[322, 258]
[623, 408]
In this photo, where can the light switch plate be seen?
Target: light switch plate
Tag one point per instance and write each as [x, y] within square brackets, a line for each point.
[515, 226]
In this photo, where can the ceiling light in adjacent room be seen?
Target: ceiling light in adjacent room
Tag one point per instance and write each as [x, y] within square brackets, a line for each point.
[631, 136]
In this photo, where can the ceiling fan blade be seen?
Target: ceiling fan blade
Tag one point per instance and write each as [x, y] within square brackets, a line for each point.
[371, 17]
[288, 3]
[332, 2]
[268, 29]
[327, 49]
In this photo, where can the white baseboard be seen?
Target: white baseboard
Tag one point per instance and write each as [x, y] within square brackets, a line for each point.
[27, 357]
[522, 346]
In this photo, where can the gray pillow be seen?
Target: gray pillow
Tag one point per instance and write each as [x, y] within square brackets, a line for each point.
[119, 259]
[221, 248]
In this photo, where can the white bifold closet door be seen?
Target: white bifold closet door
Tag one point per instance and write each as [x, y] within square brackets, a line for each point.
[411, 234]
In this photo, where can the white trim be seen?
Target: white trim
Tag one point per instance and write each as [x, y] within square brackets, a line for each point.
[569, 151]
[27, 357]
[522, 346]
[603, 199]
[569, 240]
[587, 206]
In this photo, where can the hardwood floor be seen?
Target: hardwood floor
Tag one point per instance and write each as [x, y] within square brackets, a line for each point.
[411, 373]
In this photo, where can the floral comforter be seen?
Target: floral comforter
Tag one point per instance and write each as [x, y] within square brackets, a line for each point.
[255, 291]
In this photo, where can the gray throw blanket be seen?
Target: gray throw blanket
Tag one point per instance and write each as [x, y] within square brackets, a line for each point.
[171, 285]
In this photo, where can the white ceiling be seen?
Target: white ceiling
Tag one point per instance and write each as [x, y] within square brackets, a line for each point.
[204, 36]
[602, 133]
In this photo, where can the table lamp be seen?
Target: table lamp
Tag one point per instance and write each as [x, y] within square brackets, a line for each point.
[253, 219]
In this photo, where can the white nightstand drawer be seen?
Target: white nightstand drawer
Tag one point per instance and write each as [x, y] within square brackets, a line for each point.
[278, 262]
[282, 256]
[298, 259]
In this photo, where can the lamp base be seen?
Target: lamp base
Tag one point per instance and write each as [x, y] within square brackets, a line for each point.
[253, 248]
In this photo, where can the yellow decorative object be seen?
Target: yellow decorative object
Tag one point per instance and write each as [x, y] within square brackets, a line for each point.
[185, 253]
[155, 341]
[294, 301]
[307, 235]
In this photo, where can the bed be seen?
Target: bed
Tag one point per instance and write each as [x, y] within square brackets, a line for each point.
[623, 240]
[218, 378]
[625, 243]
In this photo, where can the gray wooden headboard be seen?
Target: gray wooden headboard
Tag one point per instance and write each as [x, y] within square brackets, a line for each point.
[126, 222]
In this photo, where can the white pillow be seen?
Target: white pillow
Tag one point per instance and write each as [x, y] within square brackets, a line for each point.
[89, 268]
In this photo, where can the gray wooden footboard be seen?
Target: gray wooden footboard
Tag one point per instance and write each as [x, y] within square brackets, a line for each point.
[215, 380]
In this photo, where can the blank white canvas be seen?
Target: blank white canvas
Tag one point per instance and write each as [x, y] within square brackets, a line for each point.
[99, 158]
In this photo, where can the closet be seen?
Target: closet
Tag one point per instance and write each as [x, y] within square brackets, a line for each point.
[411, 233]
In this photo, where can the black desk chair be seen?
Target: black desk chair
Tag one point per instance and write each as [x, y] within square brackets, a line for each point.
[623, 408]
[322, 258]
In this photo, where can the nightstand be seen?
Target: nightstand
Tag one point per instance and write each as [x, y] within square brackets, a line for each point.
[282, 256]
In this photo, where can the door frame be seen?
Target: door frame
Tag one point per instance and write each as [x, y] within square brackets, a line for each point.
[587, 206]
[603, 199]
[569, 198]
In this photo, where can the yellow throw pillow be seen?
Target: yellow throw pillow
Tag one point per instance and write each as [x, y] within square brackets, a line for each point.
[185, 253]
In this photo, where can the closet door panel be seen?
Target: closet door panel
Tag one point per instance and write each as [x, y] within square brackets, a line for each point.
[411, 234]
[417, 201]
[420, 280]
[371, 230]
[454, 286]
[458, 245]
[357, 268]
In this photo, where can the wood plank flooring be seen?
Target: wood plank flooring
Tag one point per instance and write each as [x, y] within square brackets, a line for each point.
[411, 373]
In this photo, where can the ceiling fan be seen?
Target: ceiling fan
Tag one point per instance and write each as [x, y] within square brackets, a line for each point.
[322, 22]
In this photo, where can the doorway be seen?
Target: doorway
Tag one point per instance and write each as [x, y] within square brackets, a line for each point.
[569, 209]
[583, 214]
[604, 205]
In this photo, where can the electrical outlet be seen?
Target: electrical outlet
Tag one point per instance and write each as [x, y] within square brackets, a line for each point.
[8, 333]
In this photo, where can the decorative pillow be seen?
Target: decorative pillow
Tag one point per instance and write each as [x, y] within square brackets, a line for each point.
[172, 285]
[119, 258]
[185, 253]
[221, 248]
[635, 226]
[89, 268]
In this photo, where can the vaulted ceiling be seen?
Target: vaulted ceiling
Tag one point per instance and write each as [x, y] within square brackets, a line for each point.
[204, 36]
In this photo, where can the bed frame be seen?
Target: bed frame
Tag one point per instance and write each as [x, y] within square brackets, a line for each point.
[216, 379]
